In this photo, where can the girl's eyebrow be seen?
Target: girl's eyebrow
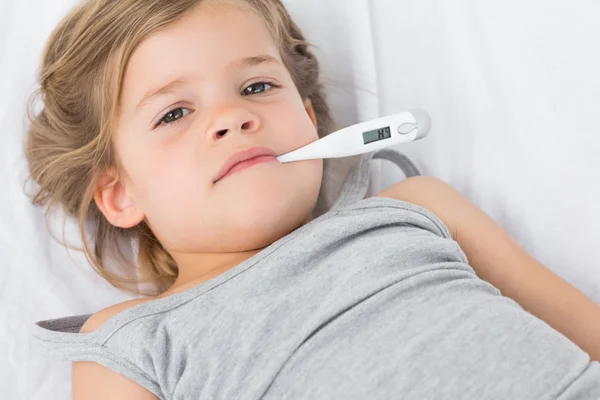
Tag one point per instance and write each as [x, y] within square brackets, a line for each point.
[254, 61]
[170, 87]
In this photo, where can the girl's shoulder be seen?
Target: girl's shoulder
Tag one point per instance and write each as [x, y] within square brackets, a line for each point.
[98, 319]
[432, 195]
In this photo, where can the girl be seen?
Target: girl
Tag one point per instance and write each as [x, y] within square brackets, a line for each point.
[160, 127]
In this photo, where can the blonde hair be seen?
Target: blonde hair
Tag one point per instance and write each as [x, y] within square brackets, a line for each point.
[69, 140]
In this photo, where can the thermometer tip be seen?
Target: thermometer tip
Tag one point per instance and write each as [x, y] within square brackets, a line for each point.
[423, 121]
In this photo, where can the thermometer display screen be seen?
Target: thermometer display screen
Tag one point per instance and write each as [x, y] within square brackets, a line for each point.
[377, 135]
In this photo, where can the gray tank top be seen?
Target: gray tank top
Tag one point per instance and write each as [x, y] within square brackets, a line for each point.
[371, 300]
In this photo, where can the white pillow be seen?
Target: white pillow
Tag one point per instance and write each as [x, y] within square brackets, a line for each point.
[39, 278]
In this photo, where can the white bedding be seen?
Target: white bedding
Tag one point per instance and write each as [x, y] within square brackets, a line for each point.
[512, 88]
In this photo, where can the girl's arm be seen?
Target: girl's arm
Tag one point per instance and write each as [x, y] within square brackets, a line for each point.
[93, 381]
[498, 259]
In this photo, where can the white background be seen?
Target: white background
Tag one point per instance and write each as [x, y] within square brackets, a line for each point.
[512, 87]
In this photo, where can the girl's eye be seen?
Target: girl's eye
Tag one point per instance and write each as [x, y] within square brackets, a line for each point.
[259, 87]
[174, 115]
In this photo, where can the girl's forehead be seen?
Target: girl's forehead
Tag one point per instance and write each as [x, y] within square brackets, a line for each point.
[222, 25]
[208, 41]
[208, 36]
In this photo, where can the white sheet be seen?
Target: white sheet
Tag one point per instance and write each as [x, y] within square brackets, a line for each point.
[512, 89]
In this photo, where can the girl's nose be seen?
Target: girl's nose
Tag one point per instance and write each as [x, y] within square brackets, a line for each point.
[232, 121]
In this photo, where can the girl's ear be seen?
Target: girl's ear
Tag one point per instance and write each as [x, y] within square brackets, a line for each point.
[115, 203]
[311, 112]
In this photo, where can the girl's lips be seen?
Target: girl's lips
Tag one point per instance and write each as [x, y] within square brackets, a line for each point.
[242, 157]
[249, 163]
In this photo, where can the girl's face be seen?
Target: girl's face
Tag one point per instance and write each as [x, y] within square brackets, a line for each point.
[194, 94]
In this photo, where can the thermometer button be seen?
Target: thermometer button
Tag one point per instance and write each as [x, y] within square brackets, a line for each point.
[407, 128]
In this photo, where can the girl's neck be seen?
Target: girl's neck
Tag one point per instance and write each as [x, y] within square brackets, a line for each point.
[196, 269]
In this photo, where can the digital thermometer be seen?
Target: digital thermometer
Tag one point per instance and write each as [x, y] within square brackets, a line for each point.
[365, 137]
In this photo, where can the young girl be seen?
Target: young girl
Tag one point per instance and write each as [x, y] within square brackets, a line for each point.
[160, 127]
